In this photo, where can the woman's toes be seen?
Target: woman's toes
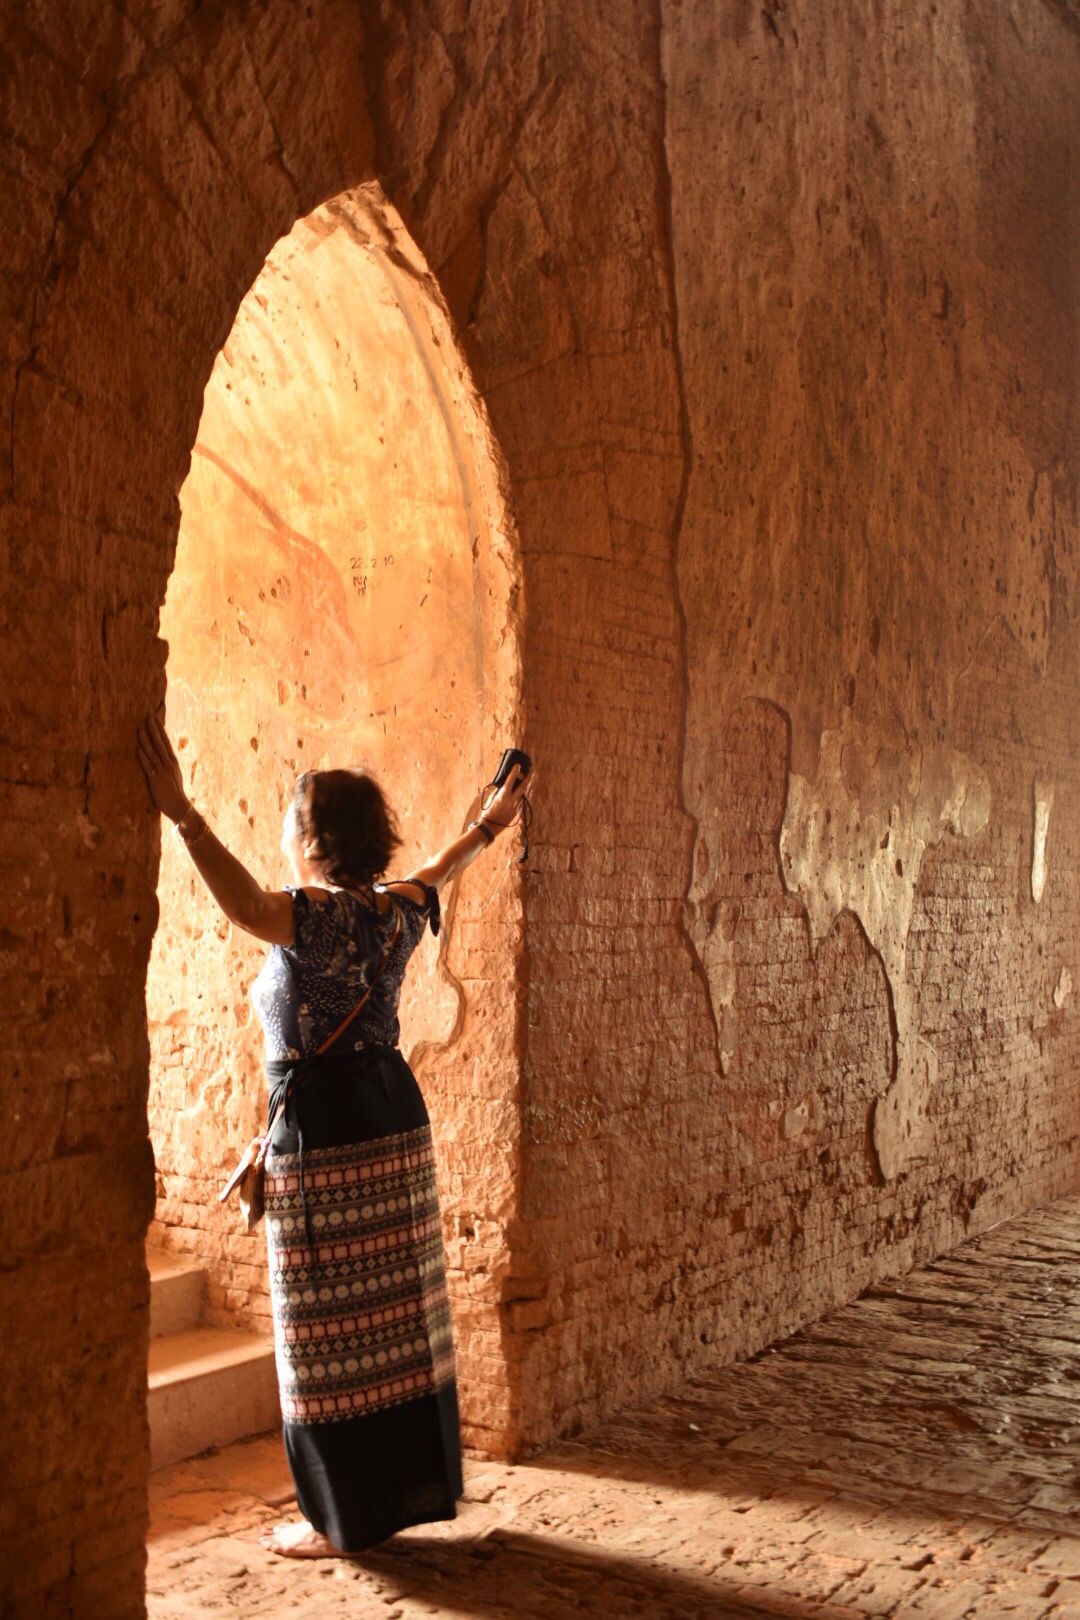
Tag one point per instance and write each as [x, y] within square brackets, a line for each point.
[299, 1540]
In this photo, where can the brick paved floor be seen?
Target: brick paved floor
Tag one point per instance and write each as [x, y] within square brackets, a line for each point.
[914, 1455]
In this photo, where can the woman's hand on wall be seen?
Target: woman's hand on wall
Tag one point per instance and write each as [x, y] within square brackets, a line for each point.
[502, 807]
[266, 913]
[161, 768]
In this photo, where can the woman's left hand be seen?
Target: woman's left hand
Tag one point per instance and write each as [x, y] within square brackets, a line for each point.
[161, 768]
[503, 807]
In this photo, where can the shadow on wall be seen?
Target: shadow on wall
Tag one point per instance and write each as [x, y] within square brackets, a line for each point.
[341, 593]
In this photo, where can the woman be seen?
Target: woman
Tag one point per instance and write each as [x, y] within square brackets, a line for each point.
[362, 1328]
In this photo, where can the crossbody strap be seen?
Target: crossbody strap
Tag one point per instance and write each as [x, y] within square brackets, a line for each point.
[345, 1022]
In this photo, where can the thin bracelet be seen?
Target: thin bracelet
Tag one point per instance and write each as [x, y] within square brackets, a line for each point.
[194, 839]
[486, 826]
[201, 829]
[525, 817]
[190, 810]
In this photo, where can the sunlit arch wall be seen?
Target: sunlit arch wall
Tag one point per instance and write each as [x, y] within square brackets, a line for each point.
[346, 592]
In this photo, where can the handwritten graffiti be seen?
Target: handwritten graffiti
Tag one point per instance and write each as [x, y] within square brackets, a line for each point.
[361, 569]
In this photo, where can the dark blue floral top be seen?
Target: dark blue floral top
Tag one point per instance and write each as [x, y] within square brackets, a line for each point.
[304, 990]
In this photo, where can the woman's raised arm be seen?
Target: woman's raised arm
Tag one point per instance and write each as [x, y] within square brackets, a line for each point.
[456, 856]
[268, 914]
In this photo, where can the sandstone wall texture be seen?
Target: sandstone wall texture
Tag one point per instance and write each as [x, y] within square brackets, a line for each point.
[773, 313]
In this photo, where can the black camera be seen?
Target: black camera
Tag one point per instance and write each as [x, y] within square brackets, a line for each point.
[511, 756]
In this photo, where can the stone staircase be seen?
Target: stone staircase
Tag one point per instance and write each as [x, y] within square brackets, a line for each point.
[207, 1385]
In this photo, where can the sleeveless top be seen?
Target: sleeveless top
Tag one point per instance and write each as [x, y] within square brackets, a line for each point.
[304, 990]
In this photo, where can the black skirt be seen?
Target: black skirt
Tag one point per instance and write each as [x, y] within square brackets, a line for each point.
[362, 1330]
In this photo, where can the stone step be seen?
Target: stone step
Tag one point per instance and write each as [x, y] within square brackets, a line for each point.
[208, 1386]
[177, 1292]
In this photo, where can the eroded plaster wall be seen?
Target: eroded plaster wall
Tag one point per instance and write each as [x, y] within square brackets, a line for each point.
[881, 365]
[879, 490]
[345, 593]
[869, 369]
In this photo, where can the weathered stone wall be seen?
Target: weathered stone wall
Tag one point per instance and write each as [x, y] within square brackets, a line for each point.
[773, 310]
[345, 592]
[858, 677]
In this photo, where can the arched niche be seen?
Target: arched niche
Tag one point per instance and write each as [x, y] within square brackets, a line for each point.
[345, 592]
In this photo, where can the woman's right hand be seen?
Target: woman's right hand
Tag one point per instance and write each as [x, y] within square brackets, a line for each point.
[161, 768]
[504, 806]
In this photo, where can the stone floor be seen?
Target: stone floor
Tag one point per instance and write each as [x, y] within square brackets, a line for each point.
[914, 1455]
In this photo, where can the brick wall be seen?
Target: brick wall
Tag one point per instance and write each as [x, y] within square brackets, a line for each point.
[818, 687]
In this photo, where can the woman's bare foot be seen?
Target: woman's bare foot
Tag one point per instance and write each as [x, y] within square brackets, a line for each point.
[300, 1540]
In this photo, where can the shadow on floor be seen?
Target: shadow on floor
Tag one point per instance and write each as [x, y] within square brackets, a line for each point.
[510, 1573]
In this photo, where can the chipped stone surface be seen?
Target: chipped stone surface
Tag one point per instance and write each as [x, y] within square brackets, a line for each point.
[1044, 803]
[913, 1454]
[853, 839]
[858, 637]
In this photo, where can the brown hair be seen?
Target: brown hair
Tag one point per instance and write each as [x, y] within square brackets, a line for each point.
[346, 817]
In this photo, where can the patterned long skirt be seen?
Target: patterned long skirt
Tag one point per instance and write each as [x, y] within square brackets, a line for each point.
[362, 1331]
